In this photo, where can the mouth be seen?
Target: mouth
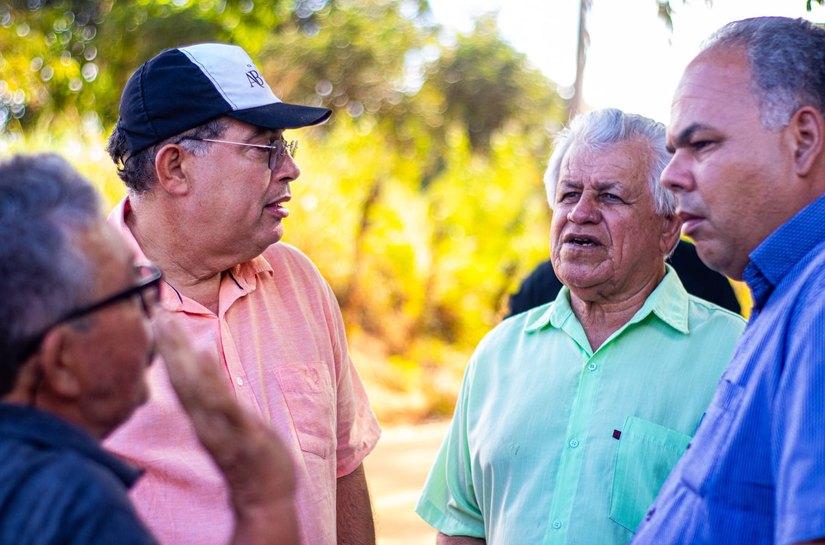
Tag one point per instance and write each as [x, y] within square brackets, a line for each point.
[277, 208]
[690, 222]
[581, 241]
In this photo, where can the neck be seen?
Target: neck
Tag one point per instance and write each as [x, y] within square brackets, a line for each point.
[186, 268]
[601, 316]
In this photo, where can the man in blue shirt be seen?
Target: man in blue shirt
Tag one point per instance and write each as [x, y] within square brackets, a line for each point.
[78, 328]
[748, 168]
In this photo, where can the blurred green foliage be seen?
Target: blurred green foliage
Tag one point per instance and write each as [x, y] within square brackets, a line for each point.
[421, 201]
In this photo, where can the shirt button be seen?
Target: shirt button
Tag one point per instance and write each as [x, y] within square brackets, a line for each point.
[239, 381]
[592, 366]
[574, 443]
[556, 524]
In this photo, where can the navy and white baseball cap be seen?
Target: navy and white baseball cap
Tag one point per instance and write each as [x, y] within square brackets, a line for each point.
[185, 87]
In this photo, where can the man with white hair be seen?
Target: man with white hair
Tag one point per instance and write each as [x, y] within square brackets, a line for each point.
[572, 414]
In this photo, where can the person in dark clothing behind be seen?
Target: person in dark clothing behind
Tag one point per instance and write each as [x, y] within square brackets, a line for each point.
[541, 286]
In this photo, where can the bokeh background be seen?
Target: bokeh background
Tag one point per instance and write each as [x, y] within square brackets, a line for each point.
[421, 201]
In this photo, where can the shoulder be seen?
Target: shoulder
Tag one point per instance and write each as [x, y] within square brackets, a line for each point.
[282, 254]
[289, 264]
[507, 330]
[807, 304]
[80, 499]
[68, 473]
[705, 313]
[510, 336]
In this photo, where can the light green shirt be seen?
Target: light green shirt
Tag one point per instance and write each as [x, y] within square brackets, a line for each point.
[532, 455]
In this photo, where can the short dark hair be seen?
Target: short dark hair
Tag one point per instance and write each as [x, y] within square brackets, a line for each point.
[138, 171]
[787, 61]
[44, 204]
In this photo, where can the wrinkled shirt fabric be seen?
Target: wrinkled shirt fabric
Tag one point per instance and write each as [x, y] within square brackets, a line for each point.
[554, 443]
[281, 341]
[755, 472]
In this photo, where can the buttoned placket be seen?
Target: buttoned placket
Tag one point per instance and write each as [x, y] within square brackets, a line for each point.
[232, 289]
[572, 457]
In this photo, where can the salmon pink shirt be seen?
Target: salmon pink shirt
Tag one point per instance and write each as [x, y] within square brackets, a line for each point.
[281, 340]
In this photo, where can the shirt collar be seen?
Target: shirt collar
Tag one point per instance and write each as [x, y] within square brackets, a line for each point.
[669, 302]
[785, 248]
[244, 274]
[35, 426]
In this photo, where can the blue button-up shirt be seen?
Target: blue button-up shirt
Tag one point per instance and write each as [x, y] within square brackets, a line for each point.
[57, 486]
[755, 471]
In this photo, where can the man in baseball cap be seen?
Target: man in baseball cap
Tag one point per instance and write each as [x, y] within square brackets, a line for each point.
[200, 146]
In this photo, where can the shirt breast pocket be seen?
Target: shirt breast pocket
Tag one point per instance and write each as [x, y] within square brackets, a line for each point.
[647, 453]
[310, 400]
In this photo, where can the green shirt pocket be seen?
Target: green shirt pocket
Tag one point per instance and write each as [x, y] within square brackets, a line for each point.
[647, 454]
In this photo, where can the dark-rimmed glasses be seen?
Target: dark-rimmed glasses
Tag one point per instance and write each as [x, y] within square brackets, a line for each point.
[278, 149]
[147, 288]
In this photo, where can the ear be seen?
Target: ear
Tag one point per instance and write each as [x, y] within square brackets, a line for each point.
[58, 364]
[171, 168]
[671, 228]
[808, 131]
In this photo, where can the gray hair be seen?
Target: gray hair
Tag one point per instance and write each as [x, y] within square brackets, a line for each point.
[138, 171]
[787, 61]
[600, 129]
[44, 203]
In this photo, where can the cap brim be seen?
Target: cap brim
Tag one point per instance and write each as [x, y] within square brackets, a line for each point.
[282, 116]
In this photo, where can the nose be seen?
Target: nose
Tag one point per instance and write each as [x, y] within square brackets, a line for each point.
[287, 170]
[676, 176]
[586, 210]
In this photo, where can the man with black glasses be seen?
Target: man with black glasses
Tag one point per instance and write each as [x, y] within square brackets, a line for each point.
[79, 325]
[200, 145]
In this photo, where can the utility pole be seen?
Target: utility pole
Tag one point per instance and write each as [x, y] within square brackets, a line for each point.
[577, 102]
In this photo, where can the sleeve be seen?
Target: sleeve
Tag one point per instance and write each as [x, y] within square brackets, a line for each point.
[798, 444]
[448, 501]
[357, 429]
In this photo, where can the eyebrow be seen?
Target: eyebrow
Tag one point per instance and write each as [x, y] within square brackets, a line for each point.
[601, 186]
[598, 186]
[684, 136]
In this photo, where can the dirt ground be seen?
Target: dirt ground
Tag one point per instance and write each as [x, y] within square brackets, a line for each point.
[396, 471]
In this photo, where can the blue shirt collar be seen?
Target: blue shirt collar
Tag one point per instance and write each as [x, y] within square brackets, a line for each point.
[785, 248]
[39, 427]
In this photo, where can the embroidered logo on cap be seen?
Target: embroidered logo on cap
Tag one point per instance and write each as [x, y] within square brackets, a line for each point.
[254, 78]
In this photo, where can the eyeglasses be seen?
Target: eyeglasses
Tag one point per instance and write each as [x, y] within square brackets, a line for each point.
[147, 288]
[278, 149]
